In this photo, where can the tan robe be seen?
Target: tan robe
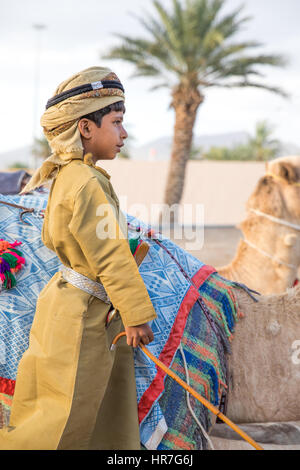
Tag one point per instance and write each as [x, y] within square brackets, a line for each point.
[72, 392]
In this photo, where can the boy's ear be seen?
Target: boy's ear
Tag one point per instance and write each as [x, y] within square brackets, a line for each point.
[84, 126]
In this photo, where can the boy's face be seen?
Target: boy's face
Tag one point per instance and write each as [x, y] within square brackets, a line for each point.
[106, 141]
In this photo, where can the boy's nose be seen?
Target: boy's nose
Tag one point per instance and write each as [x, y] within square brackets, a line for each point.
[124, 133]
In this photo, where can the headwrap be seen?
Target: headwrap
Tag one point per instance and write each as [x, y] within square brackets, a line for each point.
[88, 91]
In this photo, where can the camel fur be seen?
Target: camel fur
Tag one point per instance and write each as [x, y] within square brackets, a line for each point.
[264, 370]
[277, 194]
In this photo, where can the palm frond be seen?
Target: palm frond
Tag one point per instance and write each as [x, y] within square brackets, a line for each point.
[242, 66]
[160, 85]
[144, 54]
[220, 53]
[177, 35]
[246, 83]
[193, 43]
[231, 23]
[202, 14]
[170, 46]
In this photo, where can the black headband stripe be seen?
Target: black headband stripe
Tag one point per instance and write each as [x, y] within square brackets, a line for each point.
[78, 90]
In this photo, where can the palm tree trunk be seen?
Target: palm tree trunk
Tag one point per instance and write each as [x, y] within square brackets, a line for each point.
[186, 101]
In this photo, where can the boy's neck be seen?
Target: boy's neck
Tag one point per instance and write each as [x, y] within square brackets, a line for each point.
[94, 159]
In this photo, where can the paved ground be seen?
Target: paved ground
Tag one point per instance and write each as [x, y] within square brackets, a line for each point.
[219, 245]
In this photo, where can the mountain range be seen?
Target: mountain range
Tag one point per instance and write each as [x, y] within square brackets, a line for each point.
[156, 150]
[160, 149]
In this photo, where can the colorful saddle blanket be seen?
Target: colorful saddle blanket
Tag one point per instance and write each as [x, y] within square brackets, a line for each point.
[181, 320]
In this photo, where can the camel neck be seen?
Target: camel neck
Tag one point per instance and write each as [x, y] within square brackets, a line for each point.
[260, 272]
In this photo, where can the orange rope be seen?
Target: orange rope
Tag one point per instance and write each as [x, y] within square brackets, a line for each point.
[203, 400]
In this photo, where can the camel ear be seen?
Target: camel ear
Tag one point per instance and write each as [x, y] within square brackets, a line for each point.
[284, 170]
[266, 197]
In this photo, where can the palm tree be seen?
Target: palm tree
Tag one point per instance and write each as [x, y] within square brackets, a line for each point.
[259, 147]
[190, 48]
[263, 146]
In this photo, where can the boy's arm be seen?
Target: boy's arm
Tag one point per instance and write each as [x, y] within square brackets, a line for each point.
[95, 228]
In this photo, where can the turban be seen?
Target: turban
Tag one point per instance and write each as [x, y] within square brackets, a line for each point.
[86, 92]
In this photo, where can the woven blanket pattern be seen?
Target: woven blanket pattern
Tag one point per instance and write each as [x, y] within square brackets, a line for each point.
[205, 357]
[173, 297]
[17, 305]
[175, 302]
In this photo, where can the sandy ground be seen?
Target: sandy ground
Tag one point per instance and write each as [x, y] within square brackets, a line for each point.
[219, 245]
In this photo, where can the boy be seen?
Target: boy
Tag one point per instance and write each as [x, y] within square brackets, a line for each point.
[72, 392]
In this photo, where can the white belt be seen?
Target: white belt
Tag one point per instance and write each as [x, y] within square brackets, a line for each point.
[84, 283]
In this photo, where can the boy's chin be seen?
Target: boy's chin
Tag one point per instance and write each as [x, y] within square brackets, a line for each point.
[113, 156]
[109, 157]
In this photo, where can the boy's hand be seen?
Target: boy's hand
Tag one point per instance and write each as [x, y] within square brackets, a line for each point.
[139, 334]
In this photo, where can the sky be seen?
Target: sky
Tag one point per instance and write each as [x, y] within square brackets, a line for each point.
[77, 33]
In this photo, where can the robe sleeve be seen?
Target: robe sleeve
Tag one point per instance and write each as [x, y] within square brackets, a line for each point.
[95, 227]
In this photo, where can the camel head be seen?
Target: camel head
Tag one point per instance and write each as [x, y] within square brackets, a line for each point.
[278, 192]
[268, 256]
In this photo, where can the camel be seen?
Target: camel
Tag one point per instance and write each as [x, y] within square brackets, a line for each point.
[265, 373]
[268, 257]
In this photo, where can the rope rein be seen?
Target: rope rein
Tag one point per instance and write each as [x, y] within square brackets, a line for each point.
[276, 219]
[292, 266]
[206, 436]
[26, 210]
